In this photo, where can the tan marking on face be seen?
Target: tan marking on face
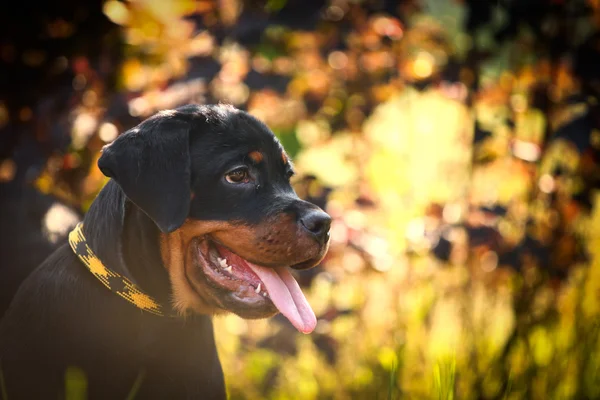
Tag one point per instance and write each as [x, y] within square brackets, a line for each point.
[284, 157]
[256, 156]
[277, 242]
[175, 248]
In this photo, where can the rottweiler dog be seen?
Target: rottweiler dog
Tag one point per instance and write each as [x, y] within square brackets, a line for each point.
[198, 218]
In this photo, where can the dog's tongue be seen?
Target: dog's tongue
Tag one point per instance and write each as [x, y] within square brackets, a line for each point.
[287, 296]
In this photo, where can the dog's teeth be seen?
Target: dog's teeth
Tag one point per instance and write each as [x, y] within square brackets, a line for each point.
[264, 294]
[228, 268]
[222, 262]
[257, 290]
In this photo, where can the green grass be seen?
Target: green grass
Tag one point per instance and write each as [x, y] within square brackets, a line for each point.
[444, 378]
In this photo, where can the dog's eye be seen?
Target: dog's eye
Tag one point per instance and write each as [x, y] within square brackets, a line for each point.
[240, 175]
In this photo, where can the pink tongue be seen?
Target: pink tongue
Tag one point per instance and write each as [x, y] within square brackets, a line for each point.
[287, 296]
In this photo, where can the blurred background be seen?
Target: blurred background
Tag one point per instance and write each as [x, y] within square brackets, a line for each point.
[456, 144]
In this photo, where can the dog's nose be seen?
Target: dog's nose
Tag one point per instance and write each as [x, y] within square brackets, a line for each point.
[317, 222]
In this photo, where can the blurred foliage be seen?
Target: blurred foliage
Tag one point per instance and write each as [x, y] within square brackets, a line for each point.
[456, 146]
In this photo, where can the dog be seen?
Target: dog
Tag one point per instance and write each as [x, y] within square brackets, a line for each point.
[198, 218]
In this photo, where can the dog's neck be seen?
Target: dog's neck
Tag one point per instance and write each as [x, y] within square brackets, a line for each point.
[126, 241]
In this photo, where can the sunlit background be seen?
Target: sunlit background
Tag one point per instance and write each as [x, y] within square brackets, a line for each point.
[456, 144]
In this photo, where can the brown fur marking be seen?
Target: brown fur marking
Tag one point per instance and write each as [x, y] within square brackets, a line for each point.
[277, 242]
[256, 156]
[176, 248]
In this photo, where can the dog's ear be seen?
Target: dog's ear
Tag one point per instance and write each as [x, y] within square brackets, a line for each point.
[151, 163]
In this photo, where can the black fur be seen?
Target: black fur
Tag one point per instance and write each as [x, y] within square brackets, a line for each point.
[155, 151]
[63, 317]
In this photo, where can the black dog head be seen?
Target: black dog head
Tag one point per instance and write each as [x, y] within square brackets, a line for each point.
[216, 182]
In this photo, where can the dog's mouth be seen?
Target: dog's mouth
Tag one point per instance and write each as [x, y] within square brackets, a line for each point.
[261, 291]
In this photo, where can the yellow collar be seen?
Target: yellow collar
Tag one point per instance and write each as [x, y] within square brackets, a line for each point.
[116, 283]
